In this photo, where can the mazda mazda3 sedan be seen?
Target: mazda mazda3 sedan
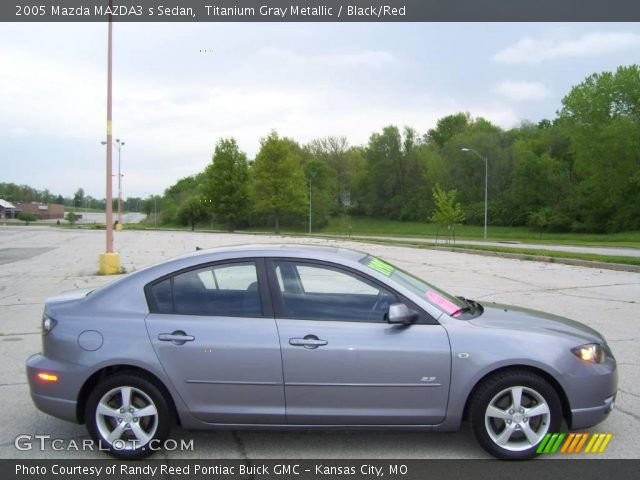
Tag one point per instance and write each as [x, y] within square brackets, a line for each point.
[310, 337]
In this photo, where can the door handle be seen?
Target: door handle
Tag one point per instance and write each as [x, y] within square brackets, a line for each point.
[177, 337]
[309, 341]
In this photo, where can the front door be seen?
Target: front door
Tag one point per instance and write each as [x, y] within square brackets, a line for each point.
[218, 345]
[343, 364]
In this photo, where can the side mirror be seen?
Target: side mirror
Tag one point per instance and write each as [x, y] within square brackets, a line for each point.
[400, 313]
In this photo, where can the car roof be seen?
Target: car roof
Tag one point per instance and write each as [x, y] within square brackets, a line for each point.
[280, 250]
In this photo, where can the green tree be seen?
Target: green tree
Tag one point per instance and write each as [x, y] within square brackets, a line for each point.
[447, 127]
[27, 217]
[539, 220]
[279, 184]
[78, 197]
[602, 115]
[323, 190]
[336, 154]
[191, 211]
[448, 211]
[394, 169]
[538, 181]
[71, 218]
[176, 195]
[225, 183]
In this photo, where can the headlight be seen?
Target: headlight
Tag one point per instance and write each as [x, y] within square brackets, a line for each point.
[592, 352]
[47, 323]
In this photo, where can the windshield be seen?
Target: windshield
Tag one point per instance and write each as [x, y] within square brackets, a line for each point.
[454, 306]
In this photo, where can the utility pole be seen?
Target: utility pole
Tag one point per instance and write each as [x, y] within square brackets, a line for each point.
[109, 261]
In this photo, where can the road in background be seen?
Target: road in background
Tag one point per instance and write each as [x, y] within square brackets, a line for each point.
[612, 251]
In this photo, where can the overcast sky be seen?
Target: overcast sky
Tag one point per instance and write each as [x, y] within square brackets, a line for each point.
[178, 88]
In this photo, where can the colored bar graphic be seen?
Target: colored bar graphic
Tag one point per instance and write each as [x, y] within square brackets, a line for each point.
[576, 440]
[550, 443]
[567, 443]
[606, 442]
[574, 443]
[592, 442]
[542, 444]
[581, 442]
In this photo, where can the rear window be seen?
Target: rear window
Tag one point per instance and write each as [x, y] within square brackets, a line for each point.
[228, 290]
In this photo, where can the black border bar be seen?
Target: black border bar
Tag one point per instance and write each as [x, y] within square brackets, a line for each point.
[321, 10]
[577, 468]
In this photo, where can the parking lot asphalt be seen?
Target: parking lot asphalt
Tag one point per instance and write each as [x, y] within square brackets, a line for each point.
[36, 262]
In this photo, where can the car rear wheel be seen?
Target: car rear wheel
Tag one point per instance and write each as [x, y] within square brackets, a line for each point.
[512, 411]
[128, 415]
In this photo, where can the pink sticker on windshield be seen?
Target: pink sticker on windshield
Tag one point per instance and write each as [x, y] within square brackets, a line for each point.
[443, 303]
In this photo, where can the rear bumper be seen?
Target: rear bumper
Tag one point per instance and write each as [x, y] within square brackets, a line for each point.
[55, 398]
[58, 407]
[588, 417]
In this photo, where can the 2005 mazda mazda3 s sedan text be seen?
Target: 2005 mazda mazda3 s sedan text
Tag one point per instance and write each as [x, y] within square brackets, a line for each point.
[310, 337]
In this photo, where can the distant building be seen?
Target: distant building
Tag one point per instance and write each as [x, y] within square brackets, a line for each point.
[7, 210]
[42, 211]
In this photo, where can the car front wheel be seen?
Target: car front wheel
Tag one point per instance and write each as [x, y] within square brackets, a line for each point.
[512, 411]
[128, 416]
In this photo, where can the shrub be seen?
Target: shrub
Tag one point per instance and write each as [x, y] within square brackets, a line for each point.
[27, 217]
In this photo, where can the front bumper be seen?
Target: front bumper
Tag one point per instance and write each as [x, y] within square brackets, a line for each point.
[55, 398]
[588, 417]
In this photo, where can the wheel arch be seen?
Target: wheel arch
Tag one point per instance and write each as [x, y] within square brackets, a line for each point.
[564, 400]
[105, 372]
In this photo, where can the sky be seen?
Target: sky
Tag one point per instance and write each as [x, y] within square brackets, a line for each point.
[179, 88]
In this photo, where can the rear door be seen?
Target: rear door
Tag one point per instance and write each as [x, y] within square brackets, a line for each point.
[343, 364]
[213, 330]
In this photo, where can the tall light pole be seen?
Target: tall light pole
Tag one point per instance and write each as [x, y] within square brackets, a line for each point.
[108, 142]
[119, 144]
[109, 261]
[486, 183]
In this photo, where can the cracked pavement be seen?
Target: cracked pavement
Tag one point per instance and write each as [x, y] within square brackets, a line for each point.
[36, 262]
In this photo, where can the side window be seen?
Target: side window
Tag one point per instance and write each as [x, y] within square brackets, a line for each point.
[319, 292]
[162, 295]
[323, 280]
[219, 290]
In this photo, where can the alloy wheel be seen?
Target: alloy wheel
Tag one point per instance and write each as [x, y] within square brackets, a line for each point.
[517, 418]
[126, 418]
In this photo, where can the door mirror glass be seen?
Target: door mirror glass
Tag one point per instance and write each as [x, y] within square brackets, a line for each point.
[400, 313]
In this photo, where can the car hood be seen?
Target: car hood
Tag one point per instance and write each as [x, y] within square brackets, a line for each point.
[525, 320]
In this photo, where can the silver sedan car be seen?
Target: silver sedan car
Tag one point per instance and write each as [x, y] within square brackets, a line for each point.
[310, 337]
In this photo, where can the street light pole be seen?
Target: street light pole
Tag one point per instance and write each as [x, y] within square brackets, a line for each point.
[486, 183]
[120, 145]
[109, 261]
[109, 205]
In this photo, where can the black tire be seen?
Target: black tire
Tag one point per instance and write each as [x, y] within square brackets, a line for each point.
[144, 392]
[497, 390]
